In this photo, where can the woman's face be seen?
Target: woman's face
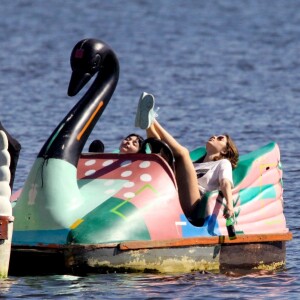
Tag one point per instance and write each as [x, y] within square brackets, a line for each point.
[216, 143]
[130, 145]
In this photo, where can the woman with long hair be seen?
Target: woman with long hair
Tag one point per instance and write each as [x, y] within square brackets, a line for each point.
[212, 172]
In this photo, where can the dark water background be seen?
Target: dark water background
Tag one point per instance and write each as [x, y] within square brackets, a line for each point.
[213, 66]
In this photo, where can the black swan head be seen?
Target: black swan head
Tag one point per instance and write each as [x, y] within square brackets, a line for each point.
[88, 58]
[85, 60]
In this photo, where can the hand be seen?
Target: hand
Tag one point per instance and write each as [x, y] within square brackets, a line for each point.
[228, 212]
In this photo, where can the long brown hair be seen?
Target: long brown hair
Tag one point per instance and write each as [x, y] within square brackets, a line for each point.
[231, 152]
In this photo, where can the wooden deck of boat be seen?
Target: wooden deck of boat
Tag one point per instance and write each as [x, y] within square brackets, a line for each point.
[241, 239]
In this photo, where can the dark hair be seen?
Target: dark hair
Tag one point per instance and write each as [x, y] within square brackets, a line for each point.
[96, 146]
[140, 138]
[232, 153]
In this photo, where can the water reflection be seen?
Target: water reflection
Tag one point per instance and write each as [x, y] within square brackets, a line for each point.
[252, 285]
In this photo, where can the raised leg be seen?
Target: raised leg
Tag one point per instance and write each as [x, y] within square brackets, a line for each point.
[186, 177]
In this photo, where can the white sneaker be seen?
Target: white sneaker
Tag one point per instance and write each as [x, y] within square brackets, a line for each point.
[145, 113]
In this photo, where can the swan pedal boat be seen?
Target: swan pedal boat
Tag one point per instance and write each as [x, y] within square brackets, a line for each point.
[81, 213]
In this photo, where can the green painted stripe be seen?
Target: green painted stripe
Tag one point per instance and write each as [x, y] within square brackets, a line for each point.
[261, 192]
[54, 137]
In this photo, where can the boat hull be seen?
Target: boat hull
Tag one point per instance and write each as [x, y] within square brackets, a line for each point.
[211, 254]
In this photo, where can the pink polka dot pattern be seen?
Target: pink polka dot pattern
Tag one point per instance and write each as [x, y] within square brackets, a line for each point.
[149, 185]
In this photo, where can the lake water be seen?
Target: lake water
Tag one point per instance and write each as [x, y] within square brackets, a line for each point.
[213, 66]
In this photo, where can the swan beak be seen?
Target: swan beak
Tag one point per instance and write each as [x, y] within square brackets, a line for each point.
[77, 82]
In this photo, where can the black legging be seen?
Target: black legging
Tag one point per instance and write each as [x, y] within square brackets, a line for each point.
[14, 148]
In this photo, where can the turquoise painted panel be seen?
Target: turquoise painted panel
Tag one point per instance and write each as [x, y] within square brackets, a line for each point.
[40, 237]
[99, 190]
[114, 220]
[260, 192]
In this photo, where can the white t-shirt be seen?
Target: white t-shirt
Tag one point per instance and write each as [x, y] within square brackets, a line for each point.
[211, 173]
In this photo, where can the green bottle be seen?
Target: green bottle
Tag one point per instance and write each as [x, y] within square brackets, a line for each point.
[230, 228]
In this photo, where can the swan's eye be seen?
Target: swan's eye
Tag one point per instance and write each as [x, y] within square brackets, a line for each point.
[96, 61]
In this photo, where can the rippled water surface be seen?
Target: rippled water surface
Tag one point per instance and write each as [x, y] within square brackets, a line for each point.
[213, 66]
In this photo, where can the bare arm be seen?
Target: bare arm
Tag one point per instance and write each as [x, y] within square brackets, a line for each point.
[227, 192]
